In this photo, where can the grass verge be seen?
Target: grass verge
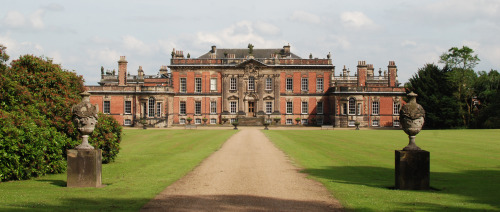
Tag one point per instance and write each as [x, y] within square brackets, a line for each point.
[358, 167]
[149, 161]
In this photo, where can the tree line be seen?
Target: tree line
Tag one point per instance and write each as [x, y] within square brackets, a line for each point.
[456, 96]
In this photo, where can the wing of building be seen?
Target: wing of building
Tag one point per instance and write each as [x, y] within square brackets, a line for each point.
[251, 86]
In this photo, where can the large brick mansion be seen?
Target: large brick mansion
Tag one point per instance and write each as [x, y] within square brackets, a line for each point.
[225, 85]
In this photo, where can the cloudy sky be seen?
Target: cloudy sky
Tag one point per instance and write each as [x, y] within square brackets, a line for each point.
[85, 35]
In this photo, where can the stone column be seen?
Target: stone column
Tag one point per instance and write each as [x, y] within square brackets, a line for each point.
[276, 94]
[225, 92]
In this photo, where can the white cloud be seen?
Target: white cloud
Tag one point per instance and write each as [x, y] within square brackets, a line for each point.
[36, 19]
[305, 17]
[134, 44]
[100, 56]
[408, 43]
[356, 20]
[232, 37]
[266, 28]
[14, 19]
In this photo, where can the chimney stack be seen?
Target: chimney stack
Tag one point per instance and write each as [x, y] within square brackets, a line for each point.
[214, 48]
[393, 72]
[122, 71]
[286, 49]
[362, 72]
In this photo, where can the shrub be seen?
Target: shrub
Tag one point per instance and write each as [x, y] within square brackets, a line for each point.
[107, 137]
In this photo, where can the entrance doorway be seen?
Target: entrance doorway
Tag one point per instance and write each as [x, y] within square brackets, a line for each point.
[251, 109]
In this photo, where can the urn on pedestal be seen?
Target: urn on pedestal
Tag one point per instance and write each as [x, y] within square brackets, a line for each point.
[85, 119]
[411, 117]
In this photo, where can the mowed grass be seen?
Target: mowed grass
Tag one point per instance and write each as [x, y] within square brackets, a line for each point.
[358, 167]
[149, 161]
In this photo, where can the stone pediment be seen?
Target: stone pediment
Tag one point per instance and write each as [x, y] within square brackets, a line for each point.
[234, 97]
[251, 62]
[268, 98]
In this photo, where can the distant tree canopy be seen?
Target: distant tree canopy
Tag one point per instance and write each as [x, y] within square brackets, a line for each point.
[448, 94]
[36, 97]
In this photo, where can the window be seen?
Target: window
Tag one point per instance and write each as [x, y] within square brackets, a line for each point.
[182, 86]
[319, 108]
[319, 121]
[304, 84]
[319, 84]
[182, 121]
[344, 108]
[128, 107]
[182, 108]
[352, 106]
[351, 123]
[375, 123]
[151, 107]
[251, 83]
[358, 109]
[158, 109]
[289, 107]
[213, 121]
[106, 108]
[397, 106]
[213, 107]
[289, 84]
[127, 122]
[232, 107]
[197, 85]
[197, 121]
[197, 108]
[269, 107]
[304, 121]
[232, 120]
[232, 84]
[289, 121]
[269, 83]
[395, 123]
[375, 108]
[213, 84]
[305, 108]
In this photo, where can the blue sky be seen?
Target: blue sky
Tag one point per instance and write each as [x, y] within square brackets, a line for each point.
[85, 35]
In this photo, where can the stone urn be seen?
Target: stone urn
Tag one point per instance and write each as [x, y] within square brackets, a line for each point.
[411, 117]
[85, 119]
[266, 124]
[235, 124]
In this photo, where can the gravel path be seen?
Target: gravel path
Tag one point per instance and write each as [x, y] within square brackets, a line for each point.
[247, 174]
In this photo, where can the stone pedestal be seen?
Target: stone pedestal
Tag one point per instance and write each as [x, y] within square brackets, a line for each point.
[412, 169]
[84, 168]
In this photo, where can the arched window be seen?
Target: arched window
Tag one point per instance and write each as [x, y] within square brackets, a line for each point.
[151, 107]
[352, 106]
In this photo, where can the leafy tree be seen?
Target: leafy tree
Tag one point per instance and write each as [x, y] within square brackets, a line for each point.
[435, 94]
[36, 97]
[462, 62]
[487, 112]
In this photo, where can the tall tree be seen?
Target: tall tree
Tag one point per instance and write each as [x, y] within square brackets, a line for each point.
[487, 112]
[462, 62]
[435, 94]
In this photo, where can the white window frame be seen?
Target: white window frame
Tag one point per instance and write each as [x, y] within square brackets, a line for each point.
[396, 123]
[396, 108]
[251, 83]
[197, 85]
[289, 121]
[289, 84]
[319, 84]
[182, 121]
[127, 107]
[352, 106]
[213, 121]
[197, 107]
[182, 107]
[182, 85]
[106, 107]
[232, 120]
[197, 121]
[213, 84]
[375, 123]
[358, 108]
[127, 122]
[304, 107]
[304, 84]
[213, 107]
[351, 123]
[269, 83]
[269, 107]
[375, 108]
[289, 107]
[232, 83]
[319, 108]
[233, 106]
[151, 107]
[158, 108]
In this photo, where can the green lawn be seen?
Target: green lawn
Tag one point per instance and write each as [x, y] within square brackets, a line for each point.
[149, 161]
[358, 167]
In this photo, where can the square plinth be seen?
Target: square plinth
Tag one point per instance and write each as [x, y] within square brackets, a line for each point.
[412, 170]
[84, 168]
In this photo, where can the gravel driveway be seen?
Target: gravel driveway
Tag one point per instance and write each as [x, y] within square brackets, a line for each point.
[247, 174]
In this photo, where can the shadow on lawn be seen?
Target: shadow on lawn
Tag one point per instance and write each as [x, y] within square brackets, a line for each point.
[480, 185]
[82, 204]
